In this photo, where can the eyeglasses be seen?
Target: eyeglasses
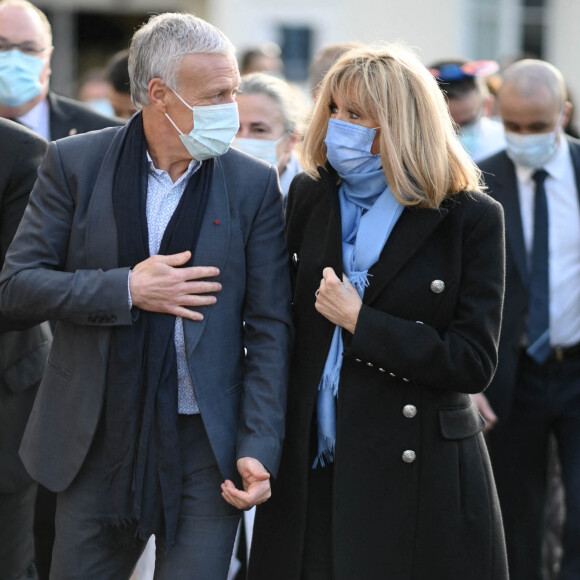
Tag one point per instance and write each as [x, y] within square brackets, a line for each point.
[24, 47]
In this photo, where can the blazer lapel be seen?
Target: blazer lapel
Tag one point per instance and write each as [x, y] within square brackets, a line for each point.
[212, 247]
[409, 234]
[101, 232]
[505, 190]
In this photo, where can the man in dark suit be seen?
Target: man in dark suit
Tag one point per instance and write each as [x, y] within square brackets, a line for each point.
[23, 352]
[161, 255]
[26, 45]
[536, 390]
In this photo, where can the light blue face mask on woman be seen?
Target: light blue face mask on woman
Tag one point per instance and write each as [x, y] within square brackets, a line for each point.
[19, 77]
[348, 148]
[214, 128]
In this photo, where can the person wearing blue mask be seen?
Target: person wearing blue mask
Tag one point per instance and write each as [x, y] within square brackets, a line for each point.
[398, 274]
[469, 101]
[25, 56]
[536, 391]
[160, 253]
[272, 115]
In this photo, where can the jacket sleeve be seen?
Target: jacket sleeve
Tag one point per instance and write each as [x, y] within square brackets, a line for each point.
[22, 171]
[463, 357]
[267, 334]
[34, 282]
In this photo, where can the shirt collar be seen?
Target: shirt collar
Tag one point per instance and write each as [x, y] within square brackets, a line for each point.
[37, 119]
[194, 165]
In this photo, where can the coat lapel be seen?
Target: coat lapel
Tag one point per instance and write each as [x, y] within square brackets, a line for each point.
[333, 255]
[409, 234]
[212, 247]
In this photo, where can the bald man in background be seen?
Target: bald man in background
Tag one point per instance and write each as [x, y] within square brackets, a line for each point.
[536, 390]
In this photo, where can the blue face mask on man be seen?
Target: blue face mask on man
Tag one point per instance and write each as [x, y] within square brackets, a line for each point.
[19, 77]
[214, 128]
[534, 150]
[348, 148]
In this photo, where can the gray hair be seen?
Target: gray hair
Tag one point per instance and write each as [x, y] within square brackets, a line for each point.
[290, 101]
[159, 46]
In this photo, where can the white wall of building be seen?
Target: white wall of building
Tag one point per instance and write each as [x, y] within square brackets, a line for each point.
[430, 27]
[563, 45]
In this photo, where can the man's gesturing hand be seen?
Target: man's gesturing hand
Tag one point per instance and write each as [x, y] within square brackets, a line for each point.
[158, 285]
[256, 481]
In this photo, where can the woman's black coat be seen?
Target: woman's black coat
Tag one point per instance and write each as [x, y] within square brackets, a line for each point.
[418, 345]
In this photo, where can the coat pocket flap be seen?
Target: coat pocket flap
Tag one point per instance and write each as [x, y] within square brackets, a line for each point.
[460, 423]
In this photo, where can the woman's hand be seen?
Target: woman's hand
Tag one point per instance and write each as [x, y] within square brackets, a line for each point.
[338, 301]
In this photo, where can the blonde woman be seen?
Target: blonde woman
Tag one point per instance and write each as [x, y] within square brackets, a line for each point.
[398, 272]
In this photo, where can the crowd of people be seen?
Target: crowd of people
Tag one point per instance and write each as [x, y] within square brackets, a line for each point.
[248, 332]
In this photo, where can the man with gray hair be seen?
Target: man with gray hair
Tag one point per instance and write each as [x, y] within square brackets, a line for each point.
[536, 390]
[160, 253]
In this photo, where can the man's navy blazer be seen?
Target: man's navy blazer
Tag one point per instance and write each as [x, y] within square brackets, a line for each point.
[63, 266]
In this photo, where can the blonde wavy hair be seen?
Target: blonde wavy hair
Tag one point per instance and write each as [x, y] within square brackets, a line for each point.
[422, 158]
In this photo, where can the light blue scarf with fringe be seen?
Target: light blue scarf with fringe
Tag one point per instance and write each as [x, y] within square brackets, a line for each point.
[369, 211]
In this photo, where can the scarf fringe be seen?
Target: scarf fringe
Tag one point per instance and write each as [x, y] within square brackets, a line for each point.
[360, 280]
[124, 532]
[326, 455]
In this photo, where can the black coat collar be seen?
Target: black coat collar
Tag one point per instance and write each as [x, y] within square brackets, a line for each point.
[410, 232]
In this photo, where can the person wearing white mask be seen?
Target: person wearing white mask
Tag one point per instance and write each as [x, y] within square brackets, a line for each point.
[272, 115]
[160, 253]
[535, 393]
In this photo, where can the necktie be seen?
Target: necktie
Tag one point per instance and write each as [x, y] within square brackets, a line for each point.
[539, 309]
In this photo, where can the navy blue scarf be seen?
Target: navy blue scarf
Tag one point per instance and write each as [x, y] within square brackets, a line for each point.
[142, 458]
